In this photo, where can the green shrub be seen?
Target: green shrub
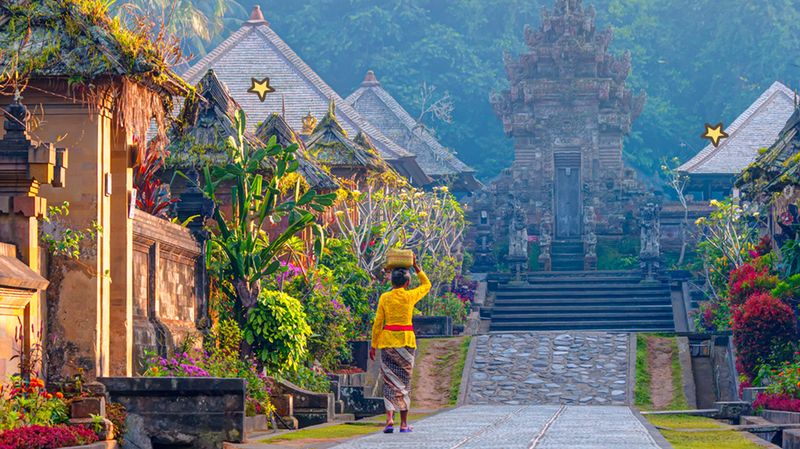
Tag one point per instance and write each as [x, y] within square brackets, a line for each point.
[277, 331]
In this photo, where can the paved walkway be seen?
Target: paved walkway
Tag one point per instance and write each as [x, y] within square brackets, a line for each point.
[519, 427]
[573, 368]
[537, 390]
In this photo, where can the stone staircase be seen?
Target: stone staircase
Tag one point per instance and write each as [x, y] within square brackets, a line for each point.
[567, 255]
[582, 300]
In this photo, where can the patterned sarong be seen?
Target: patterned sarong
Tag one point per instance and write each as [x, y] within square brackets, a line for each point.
[397, 365]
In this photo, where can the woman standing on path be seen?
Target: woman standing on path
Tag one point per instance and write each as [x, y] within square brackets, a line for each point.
[393, 333]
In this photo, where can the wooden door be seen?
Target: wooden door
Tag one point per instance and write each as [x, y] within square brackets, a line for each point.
[568, 210]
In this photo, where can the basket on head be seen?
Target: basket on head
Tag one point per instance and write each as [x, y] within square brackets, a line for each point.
[399, 258]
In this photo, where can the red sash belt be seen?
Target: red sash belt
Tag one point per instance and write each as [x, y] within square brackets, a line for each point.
[398, 327]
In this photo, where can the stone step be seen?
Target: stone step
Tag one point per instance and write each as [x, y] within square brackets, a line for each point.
[578, 304]
[605, 325]
[566, 315]
[600, 289]
[344, 417]
[632, 308]
[566, 250]
[575, 277]
[580, 294]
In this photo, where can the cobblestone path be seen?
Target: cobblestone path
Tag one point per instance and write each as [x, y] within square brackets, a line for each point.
[519, 427]
[573, 368]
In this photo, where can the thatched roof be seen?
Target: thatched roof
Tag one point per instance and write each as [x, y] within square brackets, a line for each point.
[777, 167]
[77, 40]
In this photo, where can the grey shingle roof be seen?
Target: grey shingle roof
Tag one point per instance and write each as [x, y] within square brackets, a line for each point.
[757, 127]
[375, 104]
[255, 51]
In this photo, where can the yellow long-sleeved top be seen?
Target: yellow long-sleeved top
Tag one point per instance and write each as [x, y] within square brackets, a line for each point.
[396, 307]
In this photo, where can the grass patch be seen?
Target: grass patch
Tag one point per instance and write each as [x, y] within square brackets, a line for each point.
[728, 439]
[422, 350]
[334, 432]
[709, 440]
[683, 422]
[458, 370]
[340, 431]
[641, 391]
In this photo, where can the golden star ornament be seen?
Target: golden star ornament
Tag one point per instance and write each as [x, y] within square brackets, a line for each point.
[260, 88]
[715, 133]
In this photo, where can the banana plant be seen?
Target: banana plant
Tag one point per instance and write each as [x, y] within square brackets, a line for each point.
[245, 254]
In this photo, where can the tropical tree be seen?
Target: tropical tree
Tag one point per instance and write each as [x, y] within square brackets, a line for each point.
[429, 223]
[678, 181]
[241, 254]
[195, 23]
[726, 237]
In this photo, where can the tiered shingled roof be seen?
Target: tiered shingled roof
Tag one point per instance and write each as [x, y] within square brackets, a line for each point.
[256, 52]
[757, 127]
[375, 104]
[209, 118]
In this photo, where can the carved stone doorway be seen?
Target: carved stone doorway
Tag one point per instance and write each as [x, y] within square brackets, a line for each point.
[567, 195]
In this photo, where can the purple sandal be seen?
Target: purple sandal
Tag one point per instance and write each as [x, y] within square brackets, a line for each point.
[389, 429]
[406, 430]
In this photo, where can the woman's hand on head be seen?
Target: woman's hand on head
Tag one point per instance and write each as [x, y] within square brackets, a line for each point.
[416, 264]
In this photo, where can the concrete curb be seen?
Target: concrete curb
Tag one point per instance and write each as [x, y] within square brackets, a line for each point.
[631, 385]
[651, 429]
[465, 374]
[687, 377]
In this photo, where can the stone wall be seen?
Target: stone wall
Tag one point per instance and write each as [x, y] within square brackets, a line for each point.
[199, 413]
[168, 298]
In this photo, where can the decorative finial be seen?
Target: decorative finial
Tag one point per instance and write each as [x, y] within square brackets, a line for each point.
[332, 108]
[309, 123]
[370, 80]
[256, 17]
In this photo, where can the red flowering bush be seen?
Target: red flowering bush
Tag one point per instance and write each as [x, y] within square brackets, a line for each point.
[27, 402]
[763, 324]
[782, 402]
[43, 437]
[750, 279]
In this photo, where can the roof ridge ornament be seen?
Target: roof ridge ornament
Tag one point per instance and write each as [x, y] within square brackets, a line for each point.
[256, 17]
[370, 80]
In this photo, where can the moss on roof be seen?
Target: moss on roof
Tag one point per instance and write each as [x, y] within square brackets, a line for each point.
[78, 40]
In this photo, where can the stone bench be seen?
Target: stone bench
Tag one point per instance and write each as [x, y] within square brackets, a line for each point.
[302, 407]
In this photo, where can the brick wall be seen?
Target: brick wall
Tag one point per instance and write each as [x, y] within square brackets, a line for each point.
[168, 293]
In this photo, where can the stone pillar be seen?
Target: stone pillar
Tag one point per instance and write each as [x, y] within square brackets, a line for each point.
[25, 165]
[121, 293]
[78, 299]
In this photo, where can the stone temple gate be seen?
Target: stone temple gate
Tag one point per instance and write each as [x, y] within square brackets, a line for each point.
[567, 110]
